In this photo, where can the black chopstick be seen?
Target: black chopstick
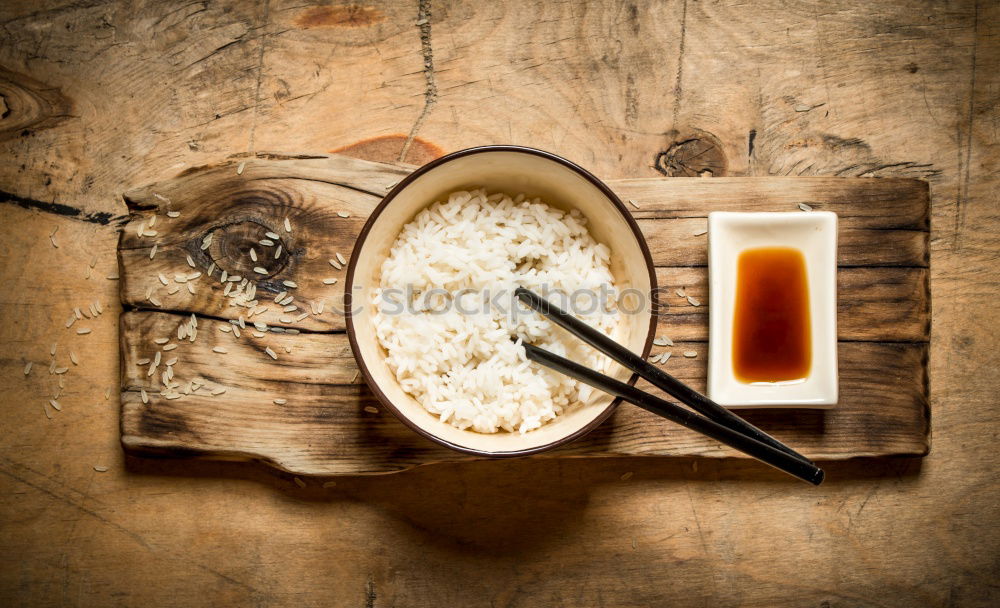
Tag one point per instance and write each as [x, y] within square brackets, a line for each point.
[657, 377]
[748, 445]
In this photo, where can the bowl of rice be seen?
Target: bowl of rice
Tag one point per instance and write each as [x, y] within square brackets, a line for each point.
[432, 319]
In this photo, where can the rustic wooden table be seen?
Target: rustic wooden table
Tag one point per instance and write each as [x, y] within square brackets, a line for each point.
[97, 97]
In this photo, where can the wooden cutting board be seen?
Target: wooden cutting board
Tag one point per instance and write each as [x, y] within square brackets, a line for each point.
[330, 424]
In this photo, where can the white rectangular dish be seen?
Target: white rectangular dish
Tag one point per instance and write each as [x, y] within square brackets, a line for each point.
[815, 235]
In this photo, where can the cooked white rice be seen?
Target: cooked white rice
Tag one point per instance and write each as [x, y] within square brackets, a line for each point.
[465, 368]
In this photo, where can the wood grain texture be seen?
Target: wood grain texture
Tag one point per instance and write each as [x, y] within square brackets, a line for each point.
[902, 88]
[324, 428]
[331, 424]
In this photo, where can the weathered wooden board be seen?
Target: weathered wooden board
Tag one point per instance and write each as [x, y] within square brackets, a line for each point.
[329, 423]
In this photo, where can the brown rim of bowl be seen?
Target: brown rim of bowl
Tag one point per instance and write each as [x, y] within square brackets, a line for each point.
[348, 296]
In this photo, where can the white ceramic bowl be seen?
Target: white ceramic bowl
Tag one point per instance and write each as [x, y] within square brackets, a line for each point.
[514, 170]
[815, 235]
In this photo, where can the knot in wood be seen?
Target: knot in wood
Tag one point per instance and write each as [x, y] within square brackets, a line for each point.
[697, 154]
[27, 104]
[235, 245]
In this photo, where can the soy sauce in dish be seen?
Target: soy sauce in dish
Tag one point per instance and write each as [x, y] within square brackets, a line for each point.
[772, 341]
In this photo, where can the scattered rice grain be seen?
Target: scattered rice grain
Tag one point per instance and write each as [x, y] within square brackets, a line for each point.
[27, 367]
[83, 330]
[300, 483]
[100, 469]
[371, 409]
[145, 397]
[693, 301]
[240, 167]
[340, 258]
[259, 270]
[72, 357]
[280, 401]
[690, 354]
[220, 350]
[330, 281]
[291, 284]
[190, 262]
[343, 214]
[152, 251]
[173, 213]
[805, 207]
[288, 225]
[633, 203]
[270, 353]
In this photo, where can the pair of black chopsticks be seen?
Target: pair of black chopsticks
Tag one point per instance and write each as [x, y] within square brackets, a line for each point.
[716, 422]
